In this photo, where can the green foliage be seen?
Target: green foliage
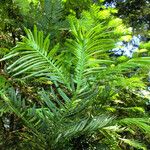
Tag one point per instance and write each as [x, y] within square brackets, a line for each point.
[142, 123]
[49, 16]
[53, 126]
[37, 60]
[134, 144]
[71, 92]
[145, 45]
[85, 48]
[136, 15]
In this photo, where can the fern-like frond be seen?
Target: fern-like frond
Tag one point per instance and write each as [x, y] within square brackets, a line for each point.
[35, 59]
[86, 47]
[17, 106]
[142, 123]
[134, 143]
[84, 127]
[54, 121]
[141, 60]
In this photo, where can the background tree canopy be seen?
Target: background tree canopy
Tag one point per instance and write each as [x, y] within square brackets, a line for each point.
[61, 84]
[135, 13]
